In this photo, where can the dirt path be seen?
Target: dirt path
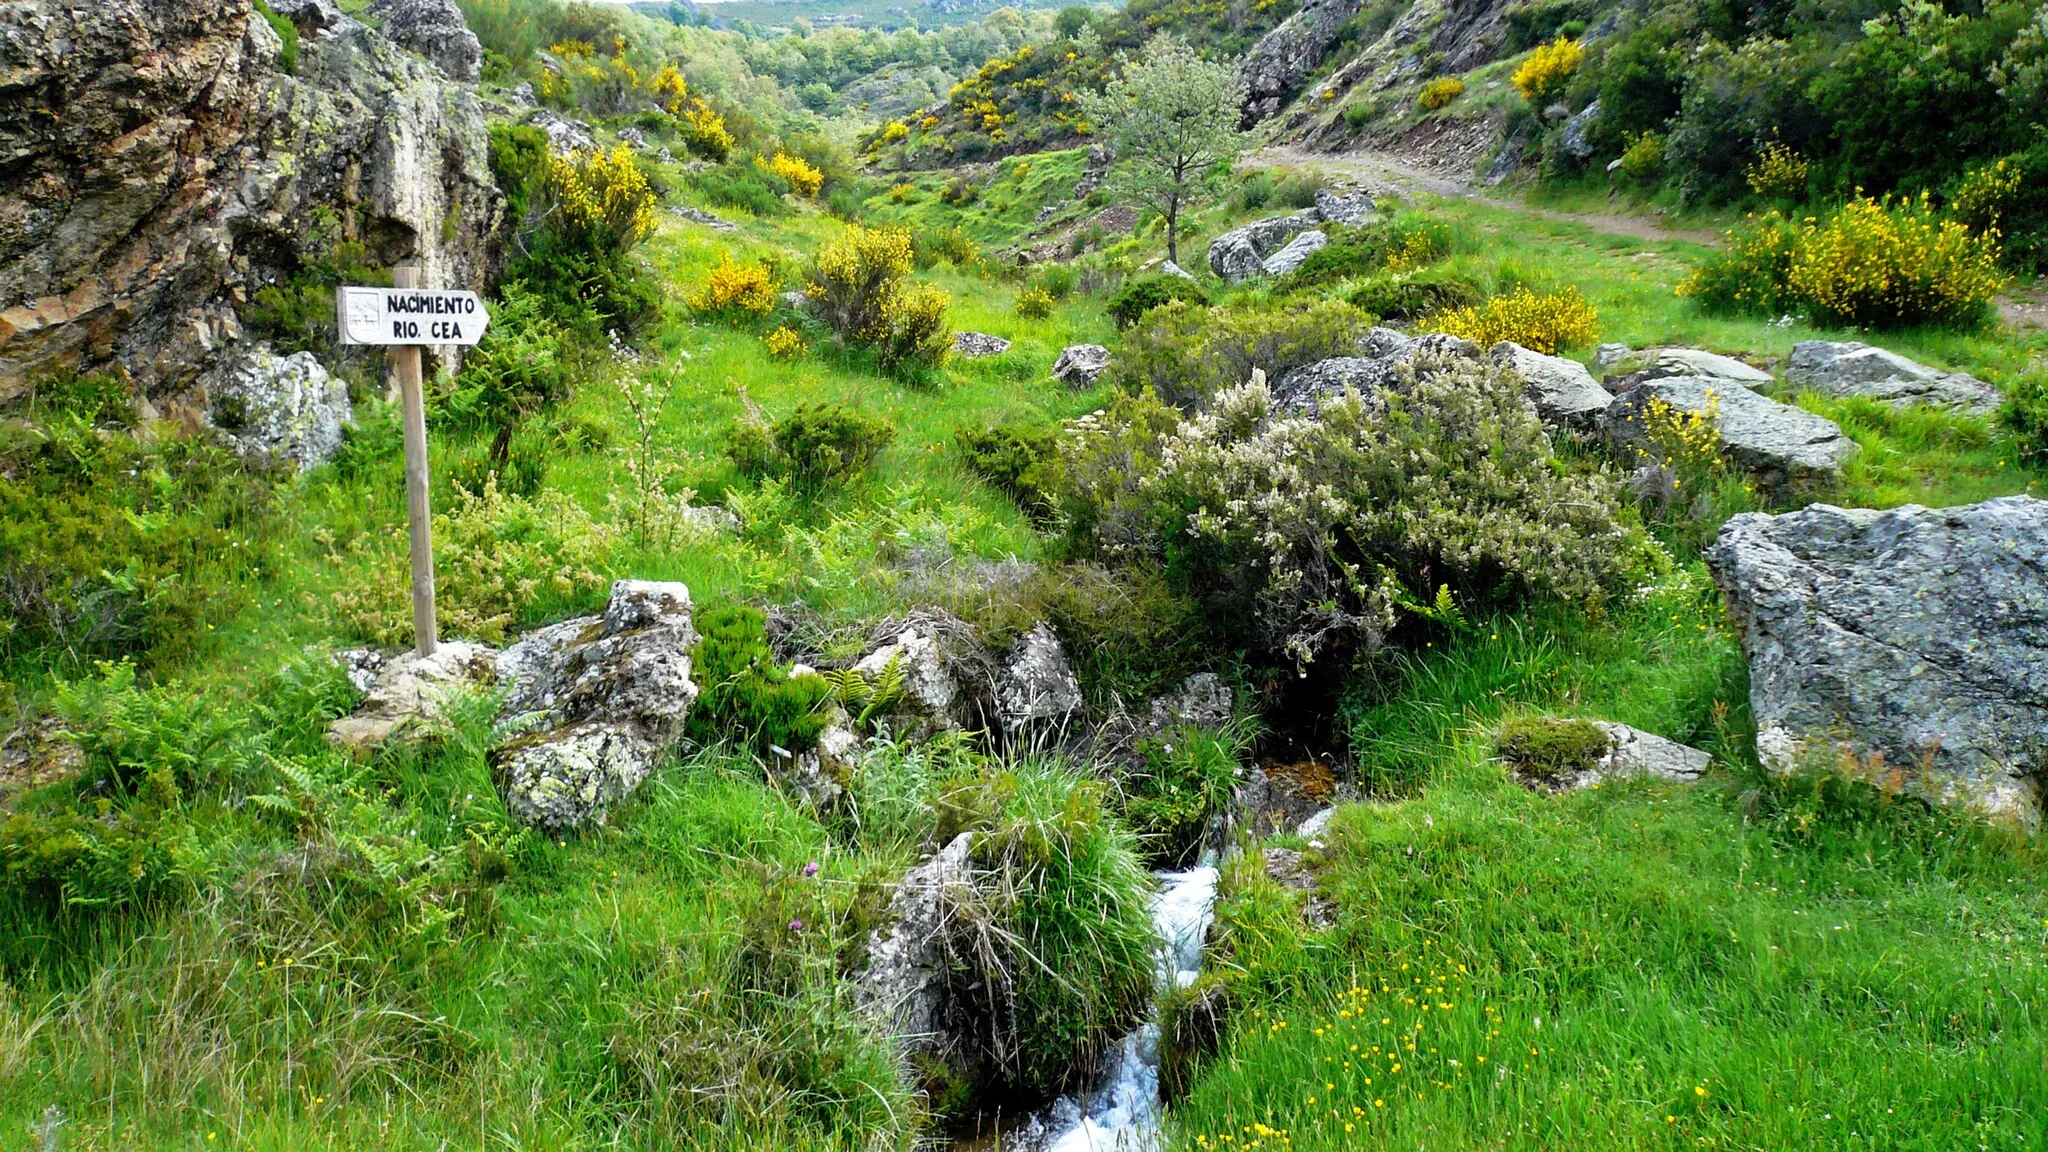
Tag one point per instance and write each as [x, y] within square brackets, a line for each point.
[1382, 171]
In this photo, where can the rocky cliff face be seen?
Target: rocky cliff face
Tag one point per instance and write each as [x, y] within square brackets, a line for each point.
[156, 167]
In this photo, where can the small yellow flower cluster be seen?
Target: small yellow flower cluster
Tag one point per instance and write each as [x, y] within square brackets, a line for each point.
[1643, 159]
[1985, 192]
[1541, 322]
[1686, 442]
[1544, 73]
[1034, 304]
[602, 200]
[895, 130]
[705, 133]
[1439, 92]
[786, 343]
[1779, 173]
[737, 289]
[800, 173]
[1418, 249]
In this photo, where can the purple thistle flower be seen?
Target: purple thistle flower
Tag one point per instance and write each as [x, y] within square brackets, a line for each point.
[811, 869]
[796, 925]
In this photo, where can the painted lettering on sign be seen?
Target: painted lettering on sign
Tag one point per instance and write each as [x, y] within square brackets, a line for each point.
[397, 316]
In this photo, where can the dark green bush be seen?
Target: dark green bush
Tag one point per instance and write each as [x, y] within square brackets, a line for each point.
[747, 697]
[296, 314]
[1405, 242]
[1011, 457]
[744, 185]
[1185, 354]
[2026, 413]
[513, 375]
[1549, 750]
[1141, 294]
[1414, 296]
[815, 445]
[518, 152]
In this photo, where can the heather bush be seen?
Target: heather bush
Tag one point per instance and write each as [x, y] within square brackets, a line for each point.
[1305, 536]
[1012, 457]
[1185, 354]
[749, 698]
[815, 445]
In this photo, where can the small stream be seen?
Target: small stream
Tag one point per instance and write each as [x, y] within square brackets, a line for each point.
[1122, 1113]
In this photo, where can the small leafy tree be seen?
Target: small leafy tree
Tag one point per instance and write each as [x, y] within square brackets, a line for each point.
[1169, 119]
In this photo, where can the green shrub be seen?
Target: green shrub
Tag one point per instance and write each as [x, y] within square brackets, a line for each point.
[1012, 457]
[1358, 114]
[575, 244]
[1551, 751]
[1141, 294]
[1184, 777]
[1056, 280]
[513, 375]
[296, 314]
[2026, 413]
[815, 445]
[1402, 244]
[1299, 536]
[1185, 354]
[744, 186]
[928, 246]
[747, 697]
[1416, 295]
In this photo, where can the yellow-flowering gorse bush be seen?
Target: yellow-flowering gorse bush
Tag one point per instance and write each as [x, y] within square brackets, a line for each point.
[1544, 73]
[496, 558]
[602, 200]
[1540, 321]
[1439, 92]
[802, 177]
[1869, 264]
[1034, 303]
[860, 286]
[1778, 173]
[786, 343]
[736, 289]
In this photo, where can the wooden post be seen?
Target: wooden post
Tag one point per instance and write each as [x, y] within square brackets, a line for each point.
[405, 364]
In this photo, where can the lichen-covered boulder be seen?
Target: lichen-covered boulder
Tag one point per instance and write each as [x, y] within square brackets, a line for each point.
[1288, 258]
[904, 985]
[1309, 387]
[592, 703]
[406, 689]
[1663, 363]
[1241, 252]
[975, 345]
[1911, 643]
[1037, 691]
[1081, 365]
[1564, 393]
[434, 29]
[1203, 700]
[279, 409]
[1576, 139]
[1853, 369]
[918, 652]
[1778, 445]
[1352, 209]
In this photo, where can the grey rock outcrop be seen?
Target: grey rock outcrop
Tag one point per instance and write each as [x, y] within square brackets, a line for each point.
[565, 136]
[279, 409]
[434, 29]
[1308, 388]
[920, 653]
[1565, 394]
[1241, 252]
[1778, 445]
[1037, 691]
[1169, 268]
[1853, 369]
[975, 345]
[1203, 700]
[403, 690]
[904, 986]
[1351, 209]
[1912, 642]
[1285, 57]
[1288, 258]
[1081, 365]
[1634, 752]
[592, 703]
[1576, 138]
[1664, 363]
[711, 220]
[161, 169]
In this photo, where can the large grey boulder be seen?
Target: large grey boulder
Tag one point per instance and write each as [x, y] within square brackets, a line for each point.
[1284, 58]
[283, 410]
[434, 29]
[1778, 445]
[1288, 258]
[1664, 363]
[1081, 365]
[1911, 643]
[1241, 252]
[592, 703]
[1308, 388]
[1036, 691]
[909, 970]
[1853, 369]
[161, 169]
[1564, 393]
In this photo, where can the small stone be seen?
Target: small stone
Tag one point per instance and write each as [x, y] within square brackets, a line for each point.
[1037, 689]
[713, 221]
[1608, 355]
[976, 345]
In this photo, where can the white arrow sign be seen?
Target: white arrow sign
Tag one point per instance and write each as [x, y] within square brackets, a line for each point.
[398, 316]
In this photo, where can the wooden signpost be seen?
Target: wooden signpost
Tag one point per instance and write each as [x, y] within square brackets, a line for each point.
[404, 318]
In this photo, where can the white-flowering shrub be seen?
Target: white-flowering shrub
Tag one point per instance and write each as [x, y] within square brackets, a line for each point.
[1309, 532]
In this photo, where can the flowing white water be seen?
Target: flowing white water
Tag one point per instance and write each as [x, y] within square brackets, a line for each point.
[1122, 1114]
